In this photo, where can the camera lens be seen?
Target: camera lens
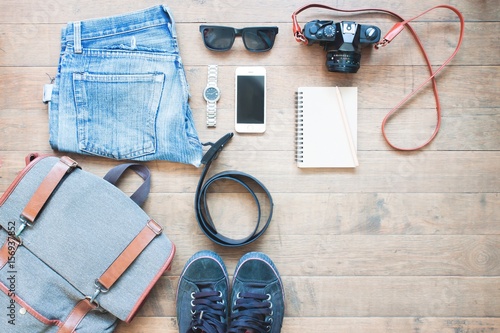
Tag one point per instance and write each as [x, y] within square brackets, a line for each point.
[344, 62]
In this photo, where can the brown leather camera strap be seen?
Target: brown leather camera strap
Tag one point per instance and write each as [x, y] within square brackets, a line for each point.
[395, 30]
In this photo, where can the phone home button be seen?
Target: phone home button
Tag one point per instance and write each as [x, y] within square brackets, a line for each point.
[249, 127]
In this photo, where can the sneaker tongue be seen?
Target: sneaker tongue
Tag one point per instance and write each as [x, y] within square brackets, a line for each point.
[206, 287]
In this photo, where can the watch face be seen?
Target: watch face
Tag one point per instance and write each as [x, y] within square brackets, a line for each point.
[211, 94]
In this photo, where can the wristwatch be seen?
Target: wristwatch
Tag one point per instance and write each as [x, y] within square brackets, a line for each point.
[211, 95]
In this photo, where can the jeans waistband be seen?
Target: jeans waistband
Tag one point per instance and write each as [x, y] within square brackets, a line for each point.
[107, 26]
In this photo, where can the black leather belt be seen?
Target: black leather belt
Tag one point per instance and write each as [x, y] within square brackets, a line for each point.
[249, 183]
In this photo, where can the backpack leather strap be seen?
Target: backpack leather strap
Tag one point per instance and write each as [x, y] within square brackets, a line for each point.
[64, 166]
[127, 257]
[112, 274]
[8, 250]
[76, 316]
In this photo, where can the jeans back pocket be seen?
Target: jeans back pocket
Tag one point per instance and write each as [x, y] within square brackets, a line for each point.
[116, 113]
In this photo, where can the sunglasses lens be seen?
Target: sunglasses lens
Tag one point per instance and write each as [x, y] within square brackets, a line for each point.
[218, 38]
[259, 39]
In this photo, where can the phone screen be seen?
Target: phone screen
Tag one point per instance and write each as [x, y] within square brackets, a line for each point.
[250, 99]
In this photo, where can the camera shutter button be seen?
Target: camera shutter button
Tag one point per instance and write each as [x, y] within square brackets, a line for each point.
[371, 33]
[313, 29]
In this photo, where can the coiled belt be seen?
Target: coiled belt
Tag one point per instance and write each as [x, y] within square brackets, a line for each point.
[248, 182]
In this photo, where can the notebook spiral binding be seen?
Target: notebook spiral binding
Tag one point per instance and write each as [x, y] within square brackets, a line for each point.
[299, 127]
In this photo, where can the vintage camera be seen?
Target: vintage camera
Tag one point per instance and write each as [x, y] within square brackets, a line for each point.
[342, 42]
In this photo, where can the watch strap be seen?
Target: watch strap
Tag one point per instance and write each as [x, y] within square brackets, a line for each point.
[212, 105]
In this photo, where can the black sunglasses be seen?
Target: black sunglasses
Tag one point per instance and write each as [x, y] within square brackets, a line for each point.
[256, 39]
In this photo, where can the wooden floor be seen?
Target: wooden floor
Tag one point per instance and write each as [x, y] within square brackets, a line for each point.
[406, 242]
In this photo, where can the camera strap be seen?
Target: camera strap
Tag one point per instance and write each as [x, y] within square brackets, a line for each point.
[248, 182]
[393, 32]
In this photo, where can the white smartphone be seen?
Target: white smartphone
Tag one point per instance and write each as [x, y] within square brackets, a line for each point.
[250, 100]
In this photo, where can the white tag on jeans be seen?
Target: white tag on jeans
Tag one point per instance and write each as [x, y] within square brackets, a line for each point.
[47, 92]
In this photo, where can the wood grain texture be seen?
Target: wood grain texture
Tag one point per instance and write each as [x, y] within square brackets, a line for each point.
[342, 325]
[407, 242]
[366, 296]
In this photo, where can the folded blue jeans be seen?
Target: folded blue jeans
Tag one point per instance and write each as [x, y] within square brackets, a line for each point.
[121, 90]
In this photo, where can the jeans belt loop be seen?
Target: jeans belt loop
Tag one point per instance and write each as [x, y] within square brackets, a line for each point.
[77, 36]
[171, 23]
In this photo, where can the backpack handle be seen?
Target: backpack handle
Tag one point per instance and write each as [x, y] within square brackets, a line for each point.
[141, 194]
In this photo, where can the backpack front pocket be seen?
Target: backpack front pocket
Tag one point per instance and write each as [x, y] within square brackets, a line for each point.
[116, 113]
[35, 298]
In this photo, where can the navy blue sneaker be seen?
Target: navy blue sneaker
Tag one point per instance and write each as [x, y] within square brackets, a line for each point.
[257, 298]
[202, 295]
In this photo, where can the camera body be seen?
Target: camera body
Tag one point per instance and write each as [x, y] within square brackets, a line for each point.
[342, 41]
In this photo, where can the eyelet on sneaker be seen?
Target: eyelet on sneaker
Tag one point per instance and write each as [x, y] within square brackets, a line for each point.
[238, 296]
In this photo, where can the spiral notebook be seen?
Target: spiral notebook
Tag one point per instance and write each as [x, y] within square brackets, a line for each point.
[327, 127]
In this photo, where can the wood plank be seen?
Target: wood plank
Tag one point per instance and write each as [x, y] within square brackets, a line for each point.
[343, 214]
[422, 173]
[353, 296]
[478, 128]
[411, 126]
[340, 213]
[23, 87]
[342, 325]
[385, 171]
[440, 42]
[333, 256]
[226, 11]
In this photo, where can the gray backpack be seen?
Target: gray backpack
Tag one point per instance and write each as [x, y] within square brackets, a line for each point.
[76, 253]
